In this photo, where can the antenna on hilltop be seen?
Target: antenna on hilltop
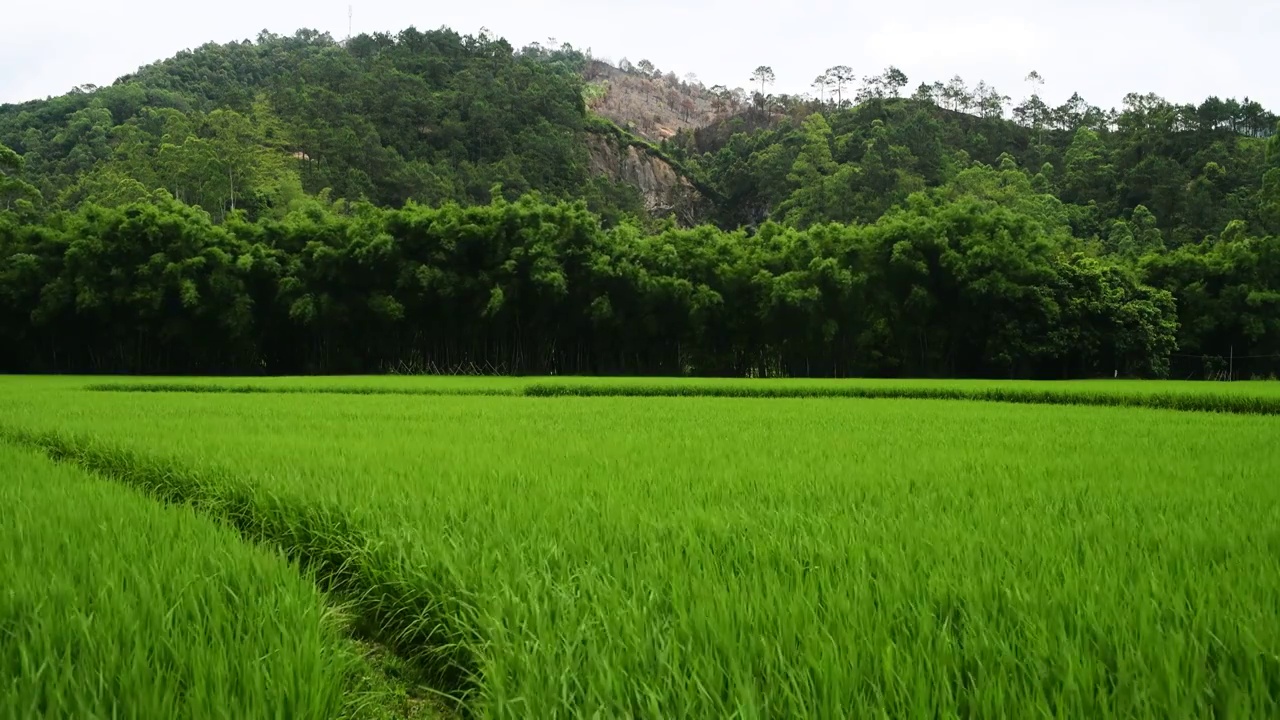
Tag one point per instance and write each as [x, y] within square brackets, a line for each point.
[349, 22]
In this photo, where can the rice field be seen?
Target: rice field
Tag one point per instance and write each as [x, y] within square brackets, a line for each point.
[115, 606]
[581, 548]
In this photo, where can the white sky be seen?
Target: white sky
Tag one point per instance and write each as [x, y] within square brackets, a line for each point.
[1184, 50]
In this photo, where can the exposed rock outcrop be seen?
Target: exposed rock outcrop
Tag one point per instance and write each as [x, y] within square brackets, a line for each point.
[664, 189]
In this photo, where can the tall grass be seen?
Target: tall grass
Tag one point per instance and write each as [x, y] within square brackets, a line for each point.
[112, 606]
[718, 557]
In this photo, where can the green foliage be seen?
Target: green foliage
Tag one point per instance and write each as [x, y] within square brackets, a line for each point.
[429, 117]
[1269, 199]
[222, 162]
[1269, 205]
[816, 188]
[975, 278]
[16, 195]
[1102, 168]
[1228, 295]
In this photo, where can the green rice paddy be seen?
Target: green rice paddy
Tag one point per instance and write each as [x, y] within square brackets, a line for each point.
[115, 606]
[657, 548]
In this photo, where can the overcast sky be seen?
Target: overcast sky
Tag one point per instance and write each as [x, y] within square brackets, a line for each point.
[1184, 50]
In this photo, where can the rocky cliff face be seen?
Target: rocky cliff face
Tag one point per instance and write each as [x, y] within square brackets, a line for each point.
[664, 190]
[655, 107]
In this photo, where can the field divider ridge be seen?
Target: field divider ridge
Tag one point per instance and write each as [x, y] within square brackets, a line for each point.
[165, 387]
[425, 626]
[1190, 402]
[1231, 403]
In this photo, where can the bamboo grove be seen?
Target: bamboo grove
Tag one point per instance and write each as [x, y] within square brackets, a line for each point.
[965, 286]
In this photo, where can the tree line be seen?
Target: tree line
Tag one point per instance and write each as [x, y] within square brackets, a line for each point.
[981, 277]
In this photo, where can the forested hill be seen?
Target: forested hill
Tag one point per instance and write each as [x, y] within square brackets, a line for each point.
[424, 116]
[299, 204]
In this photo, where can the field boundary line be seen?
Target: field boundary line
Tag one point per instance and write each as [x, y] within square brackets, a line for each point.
[426, 629]
[1187, 402]
[291, 389]
[1209, 402]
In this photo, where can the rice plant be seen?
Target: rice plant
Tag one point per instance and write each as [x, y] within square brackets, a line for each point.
[114, 606]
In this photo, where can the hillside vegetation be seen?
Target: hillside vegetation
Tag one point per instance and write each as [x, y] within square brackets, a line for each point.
[256, 126]
[436, 201]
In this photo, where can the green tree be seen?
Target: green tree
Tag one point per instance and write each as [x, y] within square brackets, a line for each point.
[1137, 237]
[13, 189]
[1089, 176]
[763, 75]
[820, 84]
[811, 199]
[895, 80]
[1269, 205]
[838, 78]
